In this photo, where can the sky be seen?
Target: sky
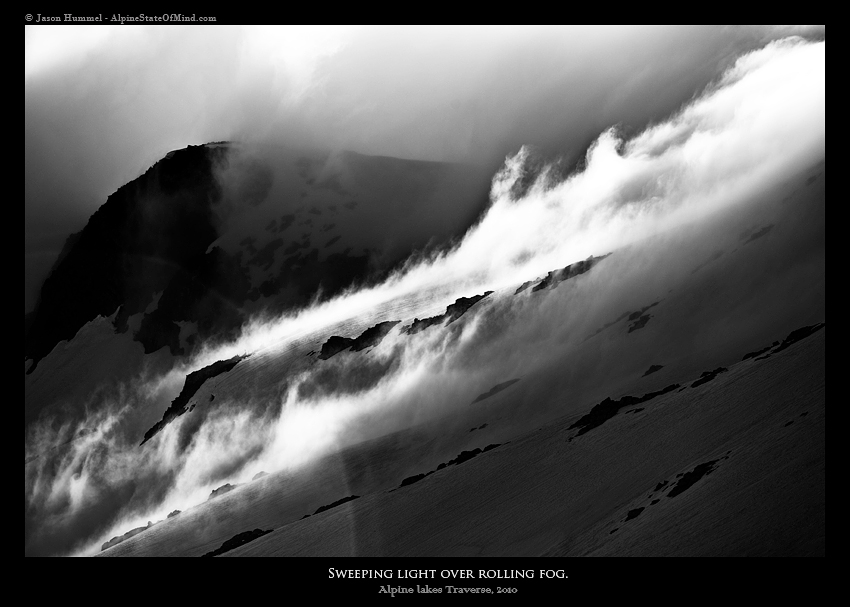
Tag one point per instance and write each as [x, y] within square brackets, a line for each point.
[104, 103]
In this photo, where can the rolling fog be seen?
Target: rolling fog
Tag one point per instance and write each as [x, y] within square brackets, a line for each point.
[102, 104]
[663, 200]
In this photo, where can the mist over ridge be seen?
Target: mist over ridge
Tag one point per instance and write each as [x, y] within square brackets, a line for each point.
[104, 103]
[710, 216]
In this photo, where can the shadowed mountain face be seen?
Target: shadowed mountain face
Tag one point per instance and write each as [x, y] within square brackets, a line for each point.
[132, 247]
[452, 362]
[462, 358]
[160, 250]
[680, 469]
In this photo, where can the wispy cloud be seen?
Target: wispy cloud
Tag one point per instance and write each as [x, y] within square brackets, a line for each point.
[751, 128]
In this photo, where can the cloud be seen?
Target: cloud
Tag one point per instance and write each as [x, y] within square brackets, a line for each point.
[103, 104]
[659, 199]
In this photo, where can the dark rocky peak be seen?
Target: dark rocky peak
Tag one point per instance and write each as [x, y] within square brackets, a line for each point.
[131, 248]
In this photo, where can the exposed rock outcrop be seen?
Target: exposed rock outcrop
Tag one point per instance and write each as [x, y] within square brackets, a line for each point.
[708, 376]
[495, 390]
[755, 353]
[574, 269]
[759, 233]
[464, 456]
[688, 479]
[227, 488]
[453, 312]
[370, 337]
[638, 318]
[798, 334]
[608, 408]
[339, 502]
[131, 533]
[193, 383]
[240, 539]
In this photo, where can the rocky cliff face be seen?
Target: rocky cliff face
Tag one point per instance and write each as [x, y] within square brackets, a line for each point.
[161, 254]
[132, 247]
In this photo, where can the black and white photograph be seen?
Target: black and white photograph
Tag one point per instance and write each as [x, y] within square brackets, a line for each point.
[423, 291]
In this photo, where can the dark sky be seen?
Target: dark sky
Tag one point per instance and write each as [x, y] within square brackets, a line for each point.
[103, 103]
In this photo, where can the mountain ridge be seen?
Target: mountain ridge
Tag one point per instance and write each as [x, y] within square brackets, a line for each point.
[160, 233]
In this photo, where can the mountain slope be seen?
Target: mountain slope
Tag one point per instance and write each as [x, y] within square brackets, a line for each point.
[602, 359]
